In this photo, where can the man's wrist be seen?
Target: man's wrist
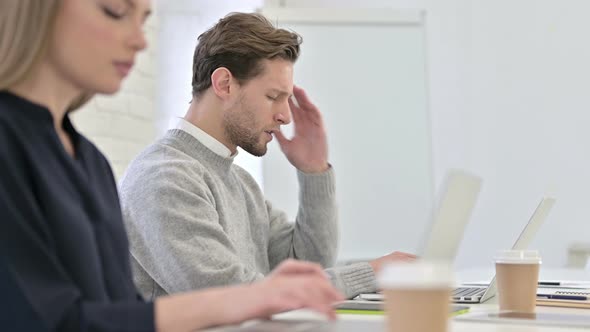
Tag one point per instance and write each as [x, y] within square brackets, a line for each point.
[315, 169]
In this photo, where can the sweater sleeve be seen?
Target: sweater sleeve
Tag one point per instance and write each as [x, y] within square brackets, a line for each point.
[353, 279]
[29, 252]
[314, 235]
[174, 230]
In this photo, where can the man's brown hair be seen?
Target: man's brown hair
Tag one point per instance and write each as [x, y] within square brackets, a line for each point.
[239, 42]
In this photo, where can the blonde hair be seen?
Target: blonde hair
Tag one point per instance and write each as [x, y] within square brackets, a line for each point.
[25, 27]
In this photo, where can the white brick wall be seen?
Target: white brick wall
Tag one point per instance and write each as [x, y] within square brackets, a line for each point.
[124, 124]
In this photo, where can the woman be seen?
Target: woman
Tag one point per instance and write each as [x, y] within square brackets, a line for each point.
[61, 231]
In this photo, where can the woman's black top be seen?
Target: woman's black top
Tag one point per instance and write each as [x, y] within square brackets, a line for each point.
[61, 229]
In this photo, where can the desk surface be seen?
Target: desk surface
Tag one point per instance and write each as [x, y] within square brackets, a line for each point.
[455, 324]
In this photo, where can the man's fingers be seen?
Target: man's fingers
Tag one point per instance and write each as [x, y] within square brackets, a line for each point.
[402, 255]
[306, 114]
[303, 100]
[292, 105]
[302, 290]
[320, 296]
[296, 112]
[408, 257]
[283, 141]
[325, 309]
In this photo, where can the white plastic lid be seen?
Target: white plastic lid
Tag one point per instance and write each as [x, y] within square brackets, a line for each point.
[518, 257]
[416, 275]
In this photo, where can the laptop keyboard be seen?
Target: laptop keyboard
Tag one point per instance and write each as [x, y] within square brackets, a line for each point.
[465, 294]
[468, 293]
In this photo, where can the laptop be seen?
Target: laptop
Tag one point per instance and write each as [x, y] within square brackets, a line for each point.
[479, 294]
[456, 203]
[476, 293]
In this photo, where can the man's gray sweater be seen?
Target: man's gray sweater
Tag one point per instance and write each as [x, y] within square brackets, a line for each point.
[196, 220]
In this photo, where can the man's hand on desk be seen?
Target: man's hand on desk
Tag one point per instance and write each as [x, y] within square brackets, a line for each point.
[396, 256]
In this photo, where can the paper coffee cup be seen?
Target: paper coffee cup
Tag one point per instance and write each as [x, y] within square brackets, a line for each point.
[417, 296]
[517, 273]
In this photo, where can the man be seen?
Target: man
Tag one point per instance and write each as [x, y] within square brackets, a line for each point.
[197, 220]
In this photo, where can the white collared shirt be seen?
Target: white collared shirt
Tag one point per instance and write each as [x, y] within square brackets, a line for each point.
[209, 141]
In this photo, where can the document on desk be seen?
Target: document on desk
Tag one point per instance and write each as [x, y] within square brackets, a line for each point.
[565, 284]
[541, 319]
[544, 284]
[361, 307]
[563, 291]
[580, 304]
[564, 297]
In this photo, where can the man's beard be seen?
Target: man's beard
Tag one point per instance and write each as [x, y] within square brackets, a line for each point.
[240, 129]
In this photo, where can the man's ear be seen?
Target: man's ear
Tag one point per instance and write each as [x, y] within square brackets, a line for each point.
[221, 81]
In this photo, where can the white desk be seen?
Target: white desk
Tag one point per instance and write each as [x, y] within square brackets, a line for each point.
[456, 325]
[490, 307]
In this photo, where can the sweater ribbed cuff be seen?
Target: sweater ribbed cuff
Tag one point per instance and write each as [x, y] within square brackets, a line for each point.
[316, 188]
[353, 279]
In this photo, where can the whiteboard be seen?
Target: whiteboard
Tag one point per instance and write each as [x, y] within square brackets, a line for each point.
[366, 71]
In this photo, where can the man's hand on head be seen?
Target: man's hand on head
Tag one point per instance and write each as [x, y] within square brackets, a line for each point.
[308, 149]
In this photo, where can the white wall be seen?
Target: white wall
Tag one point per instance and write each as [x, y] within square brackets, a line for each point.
[509, 91]
[508, 99]
[529, 77]
[393, 181]
[123, 124]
